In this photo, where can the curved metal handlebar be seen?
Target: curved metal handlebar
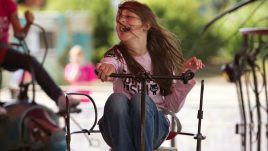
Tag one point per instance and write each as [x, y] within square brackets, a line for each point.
[185, 77]
[67, 119]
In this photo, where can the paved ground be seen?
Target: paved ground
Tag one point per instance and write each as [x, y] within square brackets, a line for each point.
[220, 115]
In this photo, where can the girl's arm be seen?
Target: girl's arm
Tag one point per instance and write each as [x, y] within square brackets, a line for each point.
[19, 30]
[107, 66]
[176, 99]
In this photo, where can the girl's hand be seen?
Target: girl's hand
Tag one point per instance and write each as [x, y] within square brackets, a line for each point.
[29, 17]
[192, 64]
[104, 71]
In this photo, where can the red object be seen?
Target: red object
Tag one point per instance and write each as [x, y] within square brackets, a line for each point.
[83, 99]
[171, 135]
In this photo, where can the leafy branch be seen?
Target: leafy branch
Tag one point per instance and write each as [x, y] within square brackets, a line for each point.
[235, 7]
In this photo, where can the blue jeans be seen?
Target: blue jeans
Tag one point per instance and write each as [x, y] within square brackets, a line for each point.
[120, 125]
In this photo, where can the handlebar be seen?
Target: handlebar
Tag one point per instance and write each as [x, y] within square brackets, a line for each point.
[185, 77]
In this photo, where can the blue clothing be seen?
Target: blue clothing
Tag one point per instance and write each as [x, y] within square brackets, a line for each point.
[121, 123]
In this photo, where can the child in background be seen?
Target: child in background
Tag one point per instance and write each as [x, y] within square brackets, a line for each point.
[78, 72]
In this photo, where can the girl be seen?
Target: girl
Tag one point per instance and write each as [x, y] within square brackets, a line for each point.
[77, 71]
[144, 47]
[12, 60]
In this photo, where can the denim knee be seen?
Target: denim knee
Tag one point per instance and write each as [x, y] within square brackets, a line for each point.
[135, 102]
[116, 104]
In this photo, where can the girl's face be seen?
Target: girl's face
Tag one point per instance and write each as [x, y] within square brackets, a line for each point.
[128, 25]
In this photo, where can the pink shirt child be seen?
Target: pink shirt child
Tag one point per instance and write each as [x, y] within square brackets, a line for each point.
[7, 7]
[76, 74]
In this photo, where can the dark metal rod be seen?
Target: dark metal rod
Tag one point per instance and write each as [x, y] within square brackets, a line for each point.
[199, 136]
[183, 133]
[266, 94]
[173, 123]
[94, 105]
[258, 106]
[184, 76]
[67, 122]
[143, 113]
[251, 122]
[243, 116]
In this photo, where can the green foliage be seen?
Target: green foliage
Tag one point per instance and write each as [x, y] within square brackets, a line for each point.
[222, 40]
[66, 5]
[186, 19]
[253, 15]
[103, 27]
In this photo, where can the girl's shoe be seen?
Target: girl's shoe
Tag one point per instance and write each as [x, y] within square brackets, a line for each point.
[62, 103]
[3, 113]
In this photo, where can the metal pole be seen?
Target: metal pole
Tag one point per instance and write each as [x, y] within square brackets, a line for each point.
[258, 106]
[199, 137]
[67, 122]
[143, 111]
[243, 116]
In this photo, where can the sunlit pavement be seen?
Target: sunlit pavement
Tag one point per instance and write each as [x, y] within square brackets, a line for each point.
[218, 125]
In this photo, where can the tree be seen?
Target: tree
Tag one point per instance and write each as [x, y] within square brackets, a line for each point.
[188, 19]
[185, 19]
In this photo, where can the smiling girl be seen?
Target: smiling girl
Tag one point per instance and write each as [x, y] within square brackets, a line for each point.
[144, 47]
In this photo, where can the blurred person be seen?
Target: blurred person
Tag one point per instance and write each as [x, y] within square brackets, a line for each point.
[11, 59]
[77, 71]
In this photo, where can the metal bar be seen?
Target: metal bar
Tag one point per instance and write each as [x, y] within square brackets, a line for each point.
[143, 113]
[251, 122]
[266, 94]
[199, 136]
[67, 122]
[243, 116]
[258, 106]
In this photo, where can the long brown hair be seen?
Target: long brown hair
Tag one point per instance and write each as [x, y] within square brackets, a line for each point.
[163, 47]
